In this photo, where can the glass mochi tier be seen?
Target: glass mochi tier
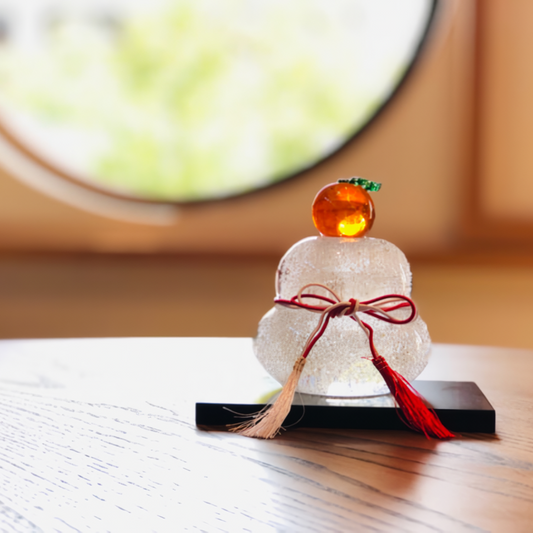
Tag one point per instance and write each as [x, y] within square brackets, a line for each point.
[339, 364]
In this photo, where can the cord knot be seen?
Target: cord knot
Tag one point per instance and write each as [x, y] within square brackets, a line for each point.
[354, 307]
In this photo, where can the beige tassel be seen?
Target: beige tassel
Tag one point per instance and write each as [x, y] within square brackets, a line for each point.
[267, 423]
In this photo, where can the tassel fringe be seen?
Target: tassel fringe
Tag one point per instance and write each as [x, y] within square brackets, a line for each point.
[415, 413]
[267, 423]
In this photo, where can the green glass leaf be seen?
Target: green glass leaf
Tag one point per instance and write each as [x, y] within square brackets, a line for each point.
[368, 185]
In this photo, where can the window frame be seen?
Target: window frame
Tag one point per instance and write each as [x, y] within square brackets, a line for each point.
[22, 149]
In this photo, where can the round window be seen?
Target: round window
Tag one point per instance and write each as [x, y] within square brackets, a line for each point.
[187, 100]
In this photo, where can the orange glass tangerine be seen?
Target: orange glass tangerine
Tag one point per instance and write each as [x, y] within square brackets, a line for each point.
[343, 210]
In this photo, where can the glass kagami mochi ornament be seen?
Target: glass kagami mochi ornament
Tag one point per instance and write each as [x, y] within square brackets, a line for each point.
[343, 324]
[353, 267]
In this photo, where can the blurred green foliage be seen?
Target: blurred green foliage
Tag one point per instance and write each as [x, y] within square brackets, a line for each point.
[197, 99]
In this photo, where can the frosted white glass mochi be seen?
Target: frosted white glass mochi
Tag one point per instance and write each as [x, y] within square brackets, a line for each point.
[339, 364]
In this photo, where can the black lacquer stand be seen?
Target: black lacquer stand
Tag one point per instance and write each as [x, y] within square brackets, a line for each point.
[460, 405]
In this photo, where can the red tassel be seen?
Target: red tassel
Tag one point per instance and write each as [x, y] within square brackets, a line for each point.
[415, 413]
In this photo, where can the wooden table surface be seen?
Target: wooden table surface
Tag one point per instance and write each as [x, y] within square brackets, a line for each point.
[99, 435]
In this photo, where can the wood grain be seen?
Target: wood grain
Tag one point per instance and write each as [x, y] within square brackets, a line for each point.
[99, 435]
